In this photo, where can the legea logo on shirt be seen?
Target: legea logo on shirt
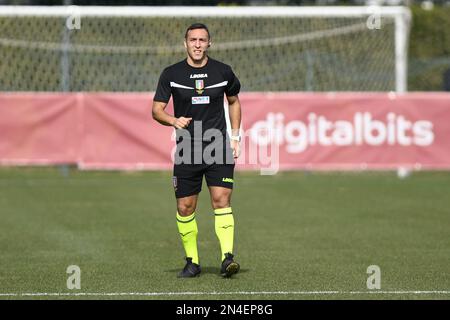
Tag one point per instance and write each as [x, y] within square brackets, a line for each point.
[200, 100]
[201, 75]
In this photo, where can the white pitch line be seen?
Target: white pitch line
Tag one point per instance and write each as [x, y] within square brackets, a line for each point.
[43, 294]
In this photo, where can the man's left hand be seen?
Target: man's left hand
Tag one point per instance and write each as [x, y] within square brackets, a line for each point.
[235, 146]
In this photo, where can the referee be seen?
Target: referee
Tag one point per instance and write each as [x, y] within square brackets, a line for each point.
[197, 85]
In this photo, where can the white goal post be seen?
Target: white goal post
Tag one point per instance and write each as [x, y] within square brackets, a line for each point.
[323, 35]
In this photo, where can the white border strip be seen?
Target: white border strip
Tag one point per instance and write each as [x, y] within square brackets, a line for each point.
[215, 293]
[217, 85]
[176, 85]
[192, 11]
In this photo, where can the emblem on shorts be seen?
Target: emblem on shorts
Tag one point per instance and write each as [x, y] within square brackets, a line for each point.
[199, 85]
[174, 182]
[227, 180]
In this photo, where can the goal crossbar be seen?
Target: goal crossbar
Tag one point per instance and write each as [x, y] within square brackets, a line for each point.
[193, 11]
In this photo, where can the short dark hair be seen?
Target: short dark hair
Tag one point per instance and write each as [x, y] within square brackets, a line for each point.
[197, 26]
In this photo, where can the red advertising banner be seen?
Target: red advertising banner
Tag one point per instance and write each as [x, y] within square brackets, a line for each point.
[119, 133]
[353, 130]
[330, 131]
[39, 128]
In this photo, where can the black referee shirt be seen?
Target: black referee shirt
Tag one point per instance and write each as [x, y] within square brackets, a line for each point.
[198, 93]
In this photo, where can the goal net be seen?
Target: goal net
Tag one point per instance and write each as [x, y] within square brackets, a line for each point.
[269, 48]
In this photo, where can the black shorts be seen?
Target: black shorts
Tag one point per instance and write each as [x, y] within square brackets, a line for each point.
[188, 177]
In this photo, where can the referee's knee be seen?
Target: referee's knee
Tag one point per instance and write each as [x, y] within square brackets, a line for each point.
[221, 203]
[185, 210]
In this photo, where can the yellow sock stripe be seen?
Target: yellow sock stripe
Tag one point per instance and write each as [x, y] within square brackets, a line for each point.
[185, 219]
[223, 211]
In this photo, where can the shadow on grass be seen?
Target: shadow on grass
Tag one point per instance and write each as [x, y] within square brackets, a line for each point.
[206, 270]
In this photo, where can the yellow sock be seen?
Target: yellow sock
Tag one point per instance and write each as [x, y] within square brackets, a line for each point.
[187, 227]
[224, 226]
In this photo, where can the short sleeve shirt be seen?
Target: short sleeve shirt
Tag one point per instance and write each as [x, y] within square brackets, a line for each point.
[198, 93]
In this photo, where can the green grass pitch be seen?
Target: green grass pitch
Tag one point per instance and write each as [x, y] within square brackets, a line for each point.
[298, 236]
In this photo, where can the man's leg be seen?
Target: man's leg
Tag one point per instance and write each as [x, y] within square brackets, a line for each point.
[224, 225]
[187, 183]
[220, 181]
[224, 220]
[187, 225]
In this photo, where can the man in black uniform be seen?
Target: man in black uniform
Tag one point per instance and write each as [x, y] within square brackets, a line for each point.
[197, 85]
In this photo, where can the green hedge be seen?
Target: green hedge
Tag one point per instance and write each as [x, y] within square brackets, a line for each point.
[429, 50]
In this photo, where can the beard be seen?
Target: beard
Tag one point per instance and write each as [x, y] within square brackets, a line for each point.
[193, 57]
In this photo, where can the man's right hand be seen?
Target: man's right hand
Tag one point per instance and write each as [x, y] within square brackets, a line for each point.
[181, 122]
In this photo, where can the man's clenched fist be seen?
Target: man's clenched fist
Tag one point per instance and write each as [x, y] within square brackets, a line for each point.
[181, 122]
